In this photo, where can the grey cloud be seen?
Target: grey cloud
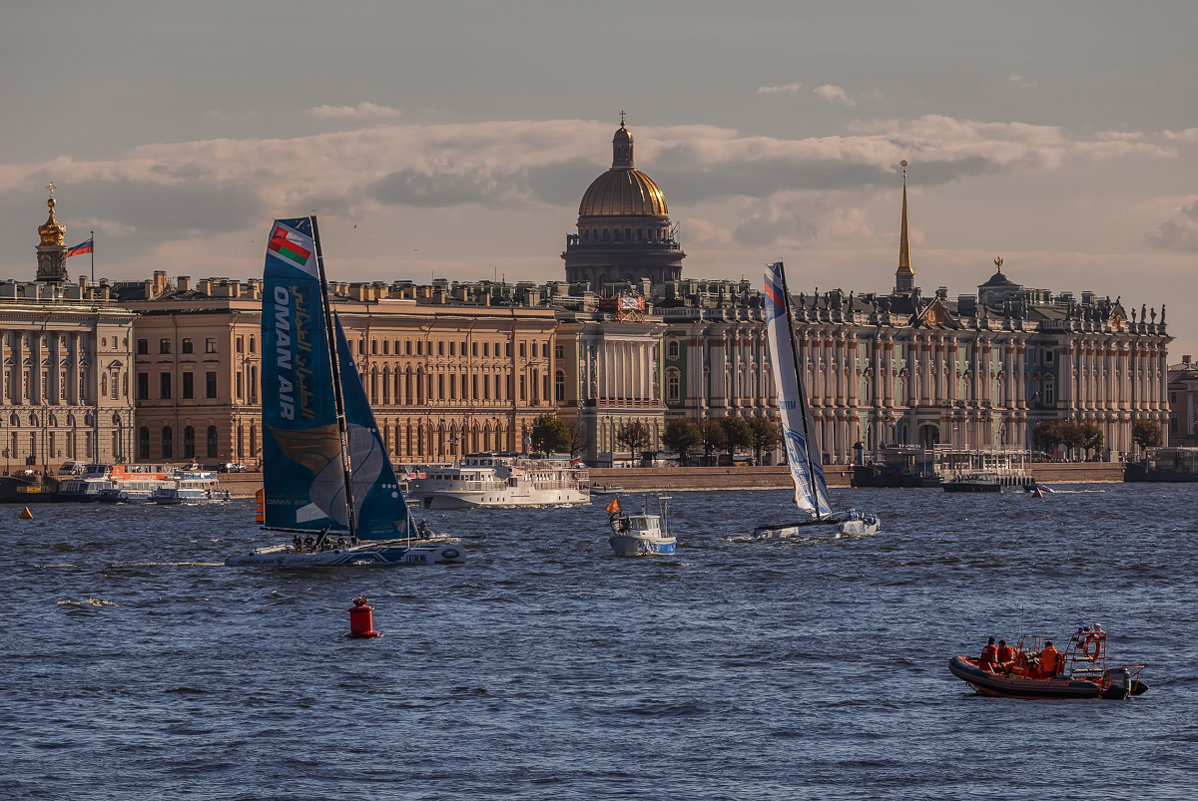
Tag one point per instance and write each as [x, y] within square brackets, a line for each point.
[1179, 233]
[439, 190]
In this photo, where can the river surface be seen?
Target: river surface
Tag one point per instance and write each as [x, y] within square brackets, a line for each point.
[137, 666]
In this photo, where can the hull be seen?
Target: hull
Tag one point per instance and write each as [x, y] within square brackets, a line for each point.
[631, 545]
[998, 685]
[381, 554]
[965, 486]
[860, 527]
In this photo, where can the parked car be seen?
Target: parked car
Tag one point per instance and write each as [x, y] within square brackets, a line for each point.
[230, 467]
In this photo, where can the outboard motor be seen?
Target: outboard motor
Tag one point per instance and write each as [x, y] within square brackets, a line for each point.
[1118, 684]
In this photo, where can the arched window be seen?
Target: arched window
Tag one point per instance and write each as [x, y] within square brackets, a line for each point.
[168, 445]
[189, 443]
[673, 386]
[211, 442]
[143, 443]
[672, 349]
[559, 386]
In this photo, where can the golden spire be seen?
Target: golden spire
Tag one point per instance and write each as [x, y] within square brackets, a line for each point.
[904, 276]
[52, 231]
[621, 148]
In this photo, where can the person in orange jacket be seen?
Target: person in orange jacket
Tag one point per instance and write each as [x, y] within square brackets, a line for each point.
[1050, 660]
[987, 661]
[1006, 656]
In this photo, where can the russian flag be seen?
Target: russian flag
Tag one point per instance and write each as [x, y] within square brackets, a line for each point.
[82, 247]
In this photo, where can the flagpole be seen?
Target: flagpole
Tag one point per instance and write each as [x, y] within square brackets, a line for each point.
[93, 257]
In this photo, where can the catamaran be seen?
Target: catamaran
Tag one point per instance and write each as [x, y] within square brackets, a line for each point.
[806, 467]
[327, 477]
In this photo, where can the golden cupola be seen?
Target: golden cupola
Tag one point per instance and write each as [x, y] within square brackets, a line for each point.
[52, 231]
[623, 191]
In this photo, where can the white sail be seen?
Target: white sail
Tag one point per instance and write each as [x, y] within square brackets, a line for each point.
[806, 468]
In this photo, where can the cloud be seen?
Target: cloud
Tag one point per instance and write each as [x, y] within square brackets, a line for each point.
[786, 89]
[1179, 233]
[362, 111]
[833, 94]
[1019, 81]
[1189, 136]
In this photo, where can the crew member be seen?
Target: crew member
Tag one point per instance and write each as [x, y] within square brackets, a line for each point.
[1050, 660]
[989, 656]
[1006, 656]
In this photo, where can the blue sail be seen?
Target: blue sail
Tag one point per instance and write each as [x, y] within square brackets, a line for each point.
[381, 512]
[301, 445]
[806, 467]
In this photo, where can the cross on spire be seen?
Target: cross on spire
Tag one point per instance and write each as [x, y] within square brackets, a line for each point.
[621, 118]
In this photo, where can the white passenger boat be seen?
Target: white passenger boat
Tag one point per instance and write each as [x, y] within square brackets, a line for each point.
[191, 487]
[640, 534]
[502, 479]
[117, 483]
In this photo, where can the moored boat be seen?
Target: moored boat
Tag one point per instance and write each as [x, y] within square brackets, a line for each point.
[1080, 671]
[640, 534]
[501, 480]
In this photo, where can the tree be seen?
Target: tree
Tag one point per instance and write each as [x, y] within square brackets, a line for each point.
[1092, 438]
[738, 433]
[551, 435]
[766, 434]
[682, 435]
[634, 435]
[1146, 433]
[1048, 435]
[714, 438]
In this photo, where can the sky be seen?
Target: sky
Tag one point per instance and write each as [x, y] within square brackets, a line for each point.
[455, 139]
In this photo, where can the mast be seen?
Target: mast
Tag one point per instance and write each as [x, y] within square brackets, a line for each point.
[794, 355]
[338, 399]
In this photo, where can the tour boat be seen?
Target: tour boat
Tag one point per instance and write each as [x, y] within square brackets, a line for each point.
[1081, 671]
[501, 479]
[117, 483]
[641, 534]
[191, 487]
[806, 465]
[327, 477]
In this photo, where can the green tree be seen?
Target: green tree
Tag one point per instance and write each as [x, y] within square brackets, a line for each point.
[1047, 434]
[551, 435]
[634, 435]
[1146, 433]
[766, 434]
[683, 435]
[738, 433]
[714, 438]
[1092, 438]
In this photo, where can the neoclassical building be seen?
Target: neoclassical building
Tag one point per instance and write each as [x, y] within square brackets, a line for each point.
[447, 370]
[66, 352]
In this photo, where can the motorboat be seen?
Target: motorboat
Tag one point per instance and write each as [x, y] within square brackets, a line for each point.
[191, 487]
[640, 534]
[977, 481]
[1081, 671]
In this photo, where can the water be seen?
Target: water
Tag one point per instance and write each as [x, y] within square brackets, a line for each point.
[136, 666]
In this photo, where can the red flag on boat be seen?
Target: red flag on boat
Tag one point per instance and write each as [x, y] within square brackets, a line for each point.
[613, 506]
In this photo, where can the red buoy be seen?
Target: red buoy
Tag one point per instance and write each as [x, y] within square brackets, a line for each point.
[361, 620]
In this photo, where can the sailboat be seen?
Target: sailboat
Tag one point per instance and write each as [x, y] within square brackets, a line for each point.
[806, 466]
[327, 476]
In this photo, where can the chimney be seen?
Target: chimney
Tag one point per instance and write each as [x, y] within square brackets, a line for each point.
[183, 282]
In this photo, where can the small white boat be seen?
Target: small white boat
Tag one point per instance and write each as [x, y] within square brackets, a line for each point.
[191, 486]
[642, 534]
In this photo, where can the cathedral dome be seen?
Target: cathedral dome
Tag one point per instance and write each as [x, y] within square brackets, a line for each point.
[623, 191]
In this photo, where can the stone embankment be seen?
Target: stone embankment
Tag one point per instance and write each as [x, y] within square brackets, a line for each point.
[658, 479]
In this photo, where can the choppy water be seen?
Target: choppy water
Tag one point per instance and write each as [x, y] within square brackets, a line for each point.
[135, 666]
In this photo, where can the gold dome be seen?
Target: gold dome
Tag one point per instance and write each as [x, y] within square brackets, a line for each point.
[52, 231]
[623, 193]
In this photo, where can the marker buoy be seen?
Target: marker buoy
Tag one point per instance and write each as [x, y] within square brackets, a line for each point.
[361, 620]
[26, 514]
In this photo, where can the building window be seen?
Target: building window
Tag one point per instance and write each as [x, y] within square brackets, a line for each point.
[210, 385]
[189, 443]
[253, 344]
[239, 344]
[559, 352]
[164, 346]
[211, 442]
[188, 391]
[559, 386]
[143, 347]
[522, 350]
[143, 391]
[473, 348]
[186, 346]
[673, 387]
[210, 345]
[164, 386]
[143, 443]
[672, 349]
[168, 446]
